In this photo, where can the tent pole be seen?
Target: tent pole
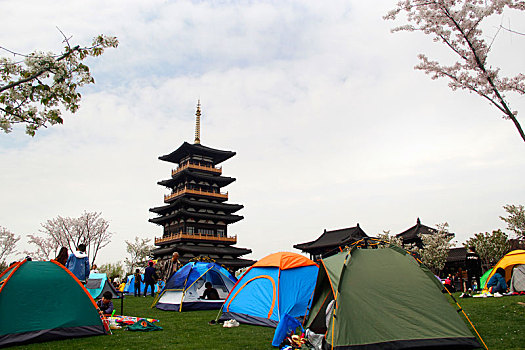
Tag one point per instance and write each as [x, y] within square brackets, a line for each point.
[122, 303]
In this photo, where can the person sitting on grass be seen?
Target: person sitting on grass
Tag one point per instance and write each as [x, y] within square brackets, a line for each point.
[105, 304]
[497, 283]
[210, 293]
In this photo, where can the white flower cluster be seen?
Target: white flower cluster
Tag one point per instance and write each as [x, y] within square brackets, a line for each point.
[32, 91]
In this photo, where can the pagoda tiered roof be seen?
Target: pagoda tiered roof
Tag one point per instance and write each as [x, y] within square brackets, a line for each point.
[187, 149]
[331, 240]
[233, 263]
[207, 216]
[205, 250]
[226, 207]
[188, 173]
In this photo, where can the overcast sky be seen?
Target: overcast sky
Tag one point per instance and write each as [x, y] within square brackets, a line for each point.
[331, 124]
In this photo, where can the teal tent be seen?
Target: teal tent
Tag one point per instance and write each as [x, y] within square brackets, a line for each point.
[41, 301]
[98, 283]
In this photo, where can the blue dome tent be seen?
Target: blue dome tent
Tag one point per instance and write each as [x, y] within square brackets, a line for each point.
[279, 284]
[183, 289]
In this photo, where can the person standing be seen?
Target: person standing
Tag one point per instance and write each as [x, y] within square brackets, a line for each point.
[150, 278]
[137, 282]
[173, 266]
[62, 256]
[78, 263]
[473, 263]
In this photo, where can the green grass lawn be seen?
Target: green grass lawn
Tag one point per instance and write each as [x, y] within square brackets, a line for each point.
[500, 321]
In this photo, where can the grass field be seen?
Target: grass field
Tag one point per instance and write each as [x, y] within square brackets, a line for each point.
[500, 321]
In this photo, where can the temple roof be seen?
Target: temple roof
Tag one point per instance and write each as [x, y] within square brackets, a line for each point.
[193, 214]
[187, 149]
[219, 180]
[414, 232]
[176, 204]
[333, 239]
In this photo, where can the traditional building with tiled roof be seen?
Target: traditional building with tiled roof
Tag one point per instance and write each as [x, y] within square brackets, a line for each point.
[330, 242]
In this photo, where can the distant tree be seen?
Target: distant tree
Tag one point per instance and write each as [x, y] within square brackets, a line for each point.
[32, 90]
[90, 229]
[8, 241]
[139, 252]
[46, 247]
[435, 248]
[113, 270]
[385, 236]
[516, 219]
[490, 247]
[457, 24]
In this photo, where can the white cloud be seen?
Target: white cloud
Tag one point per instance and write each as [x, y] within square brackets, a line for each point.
[330, 123]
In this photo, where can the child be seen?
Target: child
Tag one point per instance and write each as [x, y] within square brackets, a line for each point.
[138, 280]
[105, 304]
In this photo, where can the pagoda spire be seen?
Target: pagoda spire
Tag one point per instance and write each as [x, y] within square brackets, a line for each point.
[198, 123]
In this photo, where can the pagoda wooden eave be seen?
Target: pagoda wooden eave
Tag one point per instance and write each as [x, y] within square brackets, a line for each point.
[187, 149]
[227, 207]
[213, 250]
[219, 180]
[237, 263]
[181, 213]
[233, 262]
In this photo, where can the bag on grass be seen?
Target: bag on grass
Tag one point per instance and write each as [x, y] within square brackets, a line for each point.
[143, 325]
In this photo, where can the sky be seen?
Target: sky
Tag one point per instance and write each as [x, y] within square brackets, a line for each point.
[331, 124]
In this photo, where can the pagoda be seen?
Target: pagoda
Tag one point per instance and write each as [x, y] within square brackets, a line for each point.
[196, 215]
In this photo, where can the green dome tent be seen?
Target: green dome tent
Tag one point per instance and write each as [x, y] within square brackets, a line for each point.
[384, 299]
[41, 301]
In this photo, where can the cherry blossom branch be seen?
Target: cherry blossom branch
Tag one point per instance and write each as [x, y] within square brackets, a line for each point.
[456, 24]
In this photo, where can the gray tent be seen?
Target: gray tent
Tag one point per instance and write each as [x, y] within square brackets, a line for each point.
[517, 283]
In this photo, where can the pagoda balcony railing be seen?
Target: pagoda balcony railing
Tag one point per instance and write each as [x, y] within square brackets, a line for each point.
[198, 236]
[168, 197]
[198, 167]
